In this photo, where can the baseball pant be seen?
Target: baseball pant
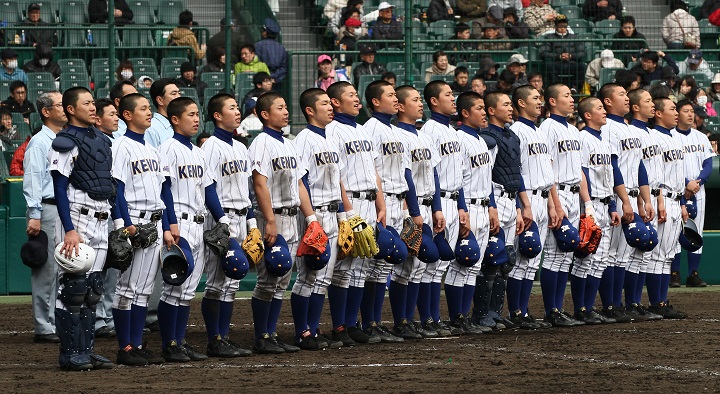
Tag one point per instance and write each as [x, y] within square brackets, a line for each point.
[700, 218]
[104, 317]
[411, 271]
[668, 233]
[351, 271]
[435, 271]
[181, 295]
[43, 280]
[507, 215]
[135, 285]
[218, 286]
[639, 261]
[310, 281]
[269, 286]
[379, 269]
[595, 264]
[458, 275]
[620, 251]
[554, 259]
[525, 268]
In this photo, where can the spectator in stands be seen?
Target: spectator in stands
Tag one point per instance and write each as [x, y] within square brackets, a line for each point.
[10, 71]
[600, 10]
[606, 60]
[107, 118]
[34, 37]
[368, 65]
[125, 71]
[347, 38]
[460, 84]
[43, 62]
[477, 85]
[488, 69]
[699, 125]
[648, 68]
[470, 9]
[503, 4]
[540, 17]
[250, 120]
[18, 102]
[218, 41]
[700, 98]
[536, 80]
[708, 7]
[628, 39]
[249, 62]
[439, 10]
[273, 53]
[145, 82]
[201, 138]
[332, 7]
[389, 77]
[714, 89]
[694, 63]
[493, 32]
[188, 79]
[493, 17]
[98, 12]
[517, 64]
[117, 92]
[184, 37]
[8, 131]
[327, 75]
[564, 56]
[460, 44]
[216, 61]
[440, 66]
[677, 24]
[660, 90]
[629, 80]
[341, 15]
[515, 28]
[386, 26]
[16, 163]
[504, 83]
[262, 82]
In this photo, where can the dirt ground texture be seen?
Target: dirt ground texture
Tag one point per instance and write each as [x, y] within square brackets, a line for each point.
[662, 356]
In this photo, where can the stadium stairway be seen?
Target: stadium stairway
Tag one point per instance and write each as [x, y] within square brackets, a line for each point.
[649, 19]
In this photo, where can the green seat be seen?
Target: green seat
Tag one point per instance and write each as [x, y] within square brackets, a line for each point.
[214, 80]
[17, 118]
[143, 61]
[143, 14]
[365, 80]
[441, 28]
[35, 120]
[571, 11]
[102, 65]
[5, 89]
[580, 26]
[701, 79]
[607, 75]
[102, 93]
[190, 93]
[449, 78]
[172, 60]
[73, 11]
[716, 106]
[607, 27]
[137, 38]
[169, 10]
[41, 81]
[72, 65]
[100, 35]
[531, 53]
[708, 34]
[10, 12]
[70, 80]
[170, 71]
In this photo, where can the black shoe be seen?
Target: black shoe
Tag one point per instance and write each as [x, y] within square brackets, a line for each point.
[150, 356]
[266, 345]
[288, 348]
[219, 347]
[327, 341]
[424, 331]
[675, 280]
[153, 327]
[307, 341]
[475, 329]
[405, 331]
[340, 334]
[502, 323]
[603, 319]
[130, 356]
[453, 330]
[616, 313]
[649, 315]
[557, 319]
[431, 325]
[358, 335]
[173, 353]
[572, 319]
[634, 313]
[373, 333]
[385, 334]
[668, 311]
[105, 332]
[197, 356]
[540, 322]
[100, 362]
[694, 280]
[522, 321]
[587, 317]
[46, 338]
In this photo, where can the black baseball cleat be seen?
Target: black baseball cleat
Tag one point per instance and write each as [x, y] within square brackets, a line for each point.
[557, 319]
[105, 332]
[173, 353]
[150, 356]
[618, 314]
[694, 280]
[154, 326]
[425, 331]
[46, 338]
[358, 335]
[326, 342]
[222, 348]
[75, 362]
[266, 345]
[405, 331]
[473, 328]
[385, 334]
[453, 330]
[340, 334]
[603, 319]
[288, 348]
[632, 311]
[667, 311]
[130, 356]
[502, 323]
[543, 324]
[572, 319]
[429, 324]
[195, 355]
[649, 315]
[675, 280]
[588, 317]
[307, 341]
[522, 321]
[100, 362]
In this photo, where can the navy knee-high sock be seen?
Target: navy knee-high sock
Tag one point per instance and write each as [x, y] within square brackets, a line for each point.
[548, 284]
[454, 297]
[664, 287]
[577, 290]
[261, 314]
[607, 284]
[619, 281]
[630, 285]
[675, 263]
[167, 320]
[379, 301]
[398, 300]
[337, 299]
[352, 309]
[525, 294]
[412, 300]
[317, 302]
[211, 314]
[226, 311]
[137, 323]
[122, 327]
[367, 307]
[468, 294]
[182, 322]
[423, 301]
[275, 308]
[299, 306]
[562, 279]
[639, 287]
[654, 281]
[436, 289]
[592, 285]
[693, 262]
[513, 289]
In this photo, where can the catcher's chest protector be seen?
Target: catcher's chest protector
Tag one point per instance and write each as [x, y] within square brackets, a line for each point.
[93, 165]
[506, 170]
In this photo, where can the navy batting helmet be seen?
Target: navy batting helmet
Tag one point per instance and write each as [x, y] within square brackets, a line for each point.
[400, 250]
[691, 206]
[467, 250]
[318, 261]
[690, 238]
[385, 242]
[176, 263]
[567, 236]
[529, 243]
[495, 252]
[277, 257]
[652, 238]
[428, 250]
[635, 232]
[444, 249]
[235, 264]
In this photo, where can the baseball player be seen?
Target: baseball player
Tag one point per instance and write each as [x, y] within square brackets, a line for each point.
[139, 177]
[480, 201]
[42, 213]
[80, 163]
[671, 210]
[698, 166]
[439, 97]
[538, 178]
[424, 157]
[227, 159]
[513, 205]
[643, 109]
[628, 149]
[107, 122]
[564, 149]
[118, 91]
[277, 181]
[359, 176]
[602, 177]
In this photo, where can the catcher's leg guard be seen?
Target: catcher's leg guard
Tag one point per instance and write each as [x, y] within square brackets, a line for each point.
[95, 290]
[497, 298]
[68, 322]
[87, 322]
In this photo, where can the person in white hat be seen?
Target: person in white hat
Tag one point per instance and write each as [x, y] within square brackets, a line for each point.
[387, 27]
[606, 60]
[517, 65]
[714, 89]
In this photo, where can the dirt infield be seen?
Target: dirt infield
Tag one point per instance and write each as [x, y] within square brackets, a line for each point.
[664, 356]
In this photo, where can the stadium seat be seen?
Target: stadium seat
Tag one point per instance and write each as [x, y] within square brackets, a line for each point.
[607, 27]
[214, 80]
[35, 120]
[579, 26]
[716, 106]
[169, 11]
[41, 80]
[571, 11]
[137, 38]
[561, 3]
[17, 118]
[170, 71]
[102, 65]
[449, 78]
[68, 80]
[143, 13]
[143, 61]
[209, 93]
[23, 130]
[10, 12]
[172, 60]
[190, 93]
[4, 89]
[73, 11]
[100, 36]
[607, 75]
[701, 79]
[72, 65]
[102, 93]
[441, 29]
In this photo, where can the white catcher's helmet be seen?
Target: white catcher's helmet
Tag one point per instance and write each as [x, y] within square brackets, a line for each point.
[77, 264]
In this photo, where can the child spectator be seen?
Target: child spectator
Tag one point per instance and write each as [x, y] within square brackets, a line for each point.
[460, 84]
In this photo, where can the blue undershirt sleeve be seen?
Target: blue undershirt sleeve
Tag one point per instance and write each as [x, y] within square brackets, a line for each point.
[212, 202]
[121, 204]
[706, 170]
[437, 204]
[167, 198]
[587, 179]
[411, 196]
[60, 184]
[617, 175]
[642, 175]
[492, 199]
[461, 200]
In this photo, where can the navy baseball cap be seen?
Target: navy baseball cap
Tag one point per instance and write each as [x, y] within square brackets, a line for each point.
[495, 252]
[691, 206]
[385, 242]
[278, 261]
[271, 26]
[428, 252]
[635, 232]
[652, 238]
[467, 250]
[318, 261]
[695, 56]
[529, 244]
[400, 250]
[443, 246]
[34, 252]
[235, 263]
[567, 236]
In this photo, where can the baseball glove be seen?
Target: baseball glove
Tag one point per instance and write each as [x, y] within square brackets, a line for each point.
[218, 239]
[253, 245]
[365, 245]
[119, 254]
[145, 235]
[314, 242]
[411, 234]
[590, 235]
[346, 239]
